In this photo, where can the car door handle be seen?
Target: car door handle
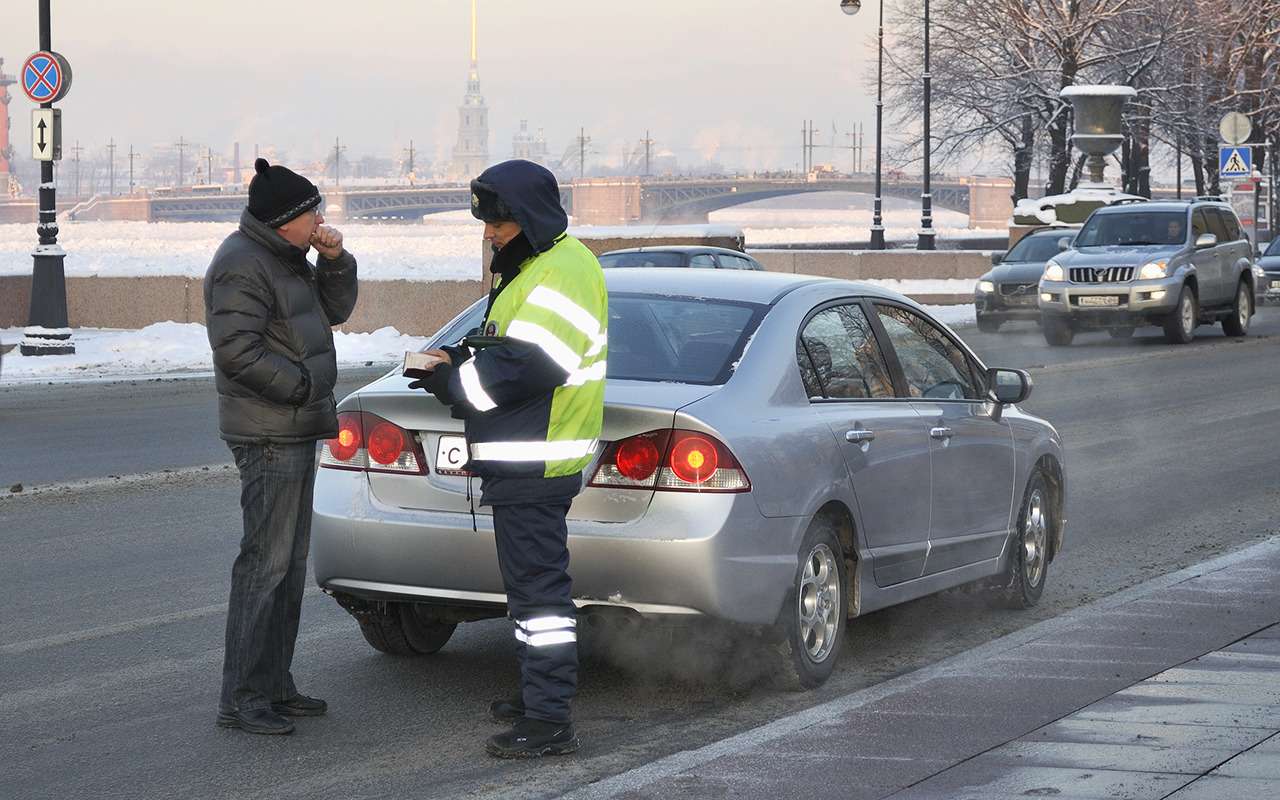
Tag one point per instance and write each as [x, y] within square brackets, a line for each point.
[859, 436]
[941, 433]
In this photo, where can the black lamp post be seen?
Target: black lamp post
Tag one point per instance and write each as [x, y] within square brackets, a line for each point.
[852, 7]
[927, 234]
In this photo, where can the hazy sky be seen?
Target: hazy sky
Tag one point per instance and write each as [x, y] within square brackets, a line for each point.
[741, 74]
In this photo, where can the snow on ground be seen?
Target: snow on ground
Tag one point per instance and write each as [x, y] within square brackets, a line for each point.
[444, 247]
[174, 348]
[170, 348]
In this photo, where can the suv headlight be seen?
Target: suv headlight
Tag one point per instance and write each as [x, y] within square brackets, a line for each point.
[1053, 271]
[986, 287]
[1153, 269]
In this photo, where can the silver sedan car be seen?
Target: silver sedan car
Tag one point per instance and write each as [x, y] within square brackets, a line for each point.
[779, 451]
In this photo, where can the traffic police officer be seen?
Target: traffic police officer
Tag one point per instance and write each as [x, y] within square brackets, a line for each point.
[533, 402]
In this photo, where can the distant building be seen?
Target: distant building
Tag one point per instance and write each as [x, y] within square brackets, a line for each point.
[471, 153]
[529, 147]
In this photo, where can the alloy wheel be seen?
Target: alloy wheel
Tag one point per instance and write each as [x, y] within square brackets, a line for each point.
[1188, 314]
[819, 603]
[1035, 539]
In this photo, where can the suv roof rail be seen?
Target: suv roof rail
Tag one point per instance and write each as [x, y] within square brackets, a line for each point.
[1211, 198]
[1127, 200]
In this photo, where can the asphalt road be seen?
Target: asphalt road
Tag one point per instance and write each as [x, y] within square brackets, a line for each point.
[110, 644]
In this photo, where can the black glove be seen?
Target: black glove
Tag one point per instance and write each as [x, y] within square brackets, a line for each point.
[437, 383]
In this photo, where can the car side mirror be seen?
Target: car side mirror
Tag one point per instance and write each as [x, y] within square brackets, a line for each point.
[1206, 240]
[1064, 243]
[1009, 386]
[997, 257]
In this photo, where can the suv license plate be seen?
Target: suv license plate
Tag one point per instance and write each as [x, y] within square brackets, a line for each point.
[1100, 300]
[451, 454]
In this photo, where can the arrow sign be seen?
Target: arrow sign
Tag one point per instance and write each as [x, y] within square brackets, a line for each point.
[46, 134]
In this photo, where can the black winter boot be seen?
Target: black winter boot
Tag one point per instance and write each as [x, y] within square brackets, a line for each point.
[533, 738]
[508, 712]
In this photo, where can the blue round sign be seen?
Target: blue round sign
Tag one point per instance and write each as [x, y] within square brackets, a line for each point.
[46, 77]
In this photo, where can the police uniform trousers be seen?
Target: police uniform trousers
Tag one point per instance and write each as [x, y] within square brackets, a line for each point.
[533, 555]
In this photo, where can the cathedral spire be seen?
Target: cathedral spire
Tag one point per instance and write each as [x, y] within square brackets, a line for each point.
[473, 33]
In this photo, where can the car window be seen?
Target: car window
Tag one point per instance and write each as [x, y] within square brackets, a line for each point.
[1199, 225]
[1036, 248]
[1274, 248]
[1133, 228]
[703, 260]
[643, 259]
[679, 339]
[1234, 233]
[1217, 226]
[839, 357]
[934, 366]
[734, 262]
[470, 319]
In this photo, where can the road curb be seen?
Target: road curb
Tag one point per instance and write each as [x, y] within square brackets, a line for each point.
[823, 713]
[175, 475]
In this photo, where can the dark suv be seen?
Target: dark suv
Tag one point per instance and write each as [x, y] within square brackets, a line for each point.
[1172, 264]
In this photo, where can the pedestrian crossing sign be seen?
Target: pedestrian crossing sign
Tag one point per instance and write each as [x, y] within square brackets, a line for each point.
[1235, 162]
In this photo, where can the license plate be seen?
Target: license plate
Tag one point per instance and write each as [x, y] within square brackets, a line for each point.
[1275, 286]
[1021, 300]
[1100, 300]
[451, 454]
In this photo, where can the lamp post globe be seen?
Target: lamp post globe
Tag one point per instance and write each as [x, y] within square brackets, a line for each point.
[851, 7]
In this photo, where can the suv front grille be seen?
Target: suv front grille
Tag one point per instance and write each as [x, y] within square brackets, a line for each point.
[1100, 274]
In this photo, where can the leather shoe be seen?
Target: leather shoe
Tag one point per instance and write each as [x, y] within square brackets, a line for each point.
[255, 720]
[507, 712]
[534, 738]
[300, 706]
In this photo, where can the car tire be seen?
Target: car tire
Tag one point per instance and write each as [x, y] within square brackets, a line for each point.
[1238, 323]
[1057, 331]
[1022, 583]
[1120, 333]
[403, 630]
[808, 638]
[987, 324]
[1180, 325]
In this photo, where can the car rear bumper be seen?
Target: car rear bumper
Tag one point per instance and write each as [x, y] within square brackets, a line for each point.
[737, 566]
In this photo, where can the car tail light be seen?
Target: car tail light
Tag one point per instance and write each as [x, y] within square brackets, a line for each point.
[369, 443]
[673, 461]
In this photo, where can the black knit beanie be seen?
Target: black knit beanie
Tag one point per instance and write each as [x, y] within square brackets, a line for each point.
[278, 194]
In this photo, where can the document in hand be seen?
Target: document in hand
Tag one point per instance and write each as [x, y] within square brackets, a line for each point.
[419, 365]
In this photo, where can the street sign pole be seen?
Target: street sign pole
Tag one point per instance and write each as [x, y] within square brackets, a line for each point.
[47, 332]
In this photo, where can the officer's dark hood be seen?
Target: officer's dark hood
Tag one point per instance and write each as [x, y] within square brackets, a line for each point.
[531, 193]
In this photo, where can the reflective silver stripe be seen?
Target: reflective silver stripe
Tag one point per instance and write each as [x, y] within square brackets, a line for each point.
[533, 451]
[546, 639]
[476, 395]
[574, 314]
[595, 372]
[539, 624]
[550, 344]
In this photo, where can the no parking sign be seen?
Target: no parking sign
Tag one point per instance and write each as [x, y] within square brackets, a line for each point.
[46, 77]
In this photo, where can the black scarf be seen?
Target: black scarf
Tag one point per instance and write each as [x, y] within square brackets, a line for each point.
[506, 265]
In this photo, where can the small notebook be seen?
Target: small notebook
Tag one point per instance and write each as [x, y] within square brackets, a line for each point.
[419, 365]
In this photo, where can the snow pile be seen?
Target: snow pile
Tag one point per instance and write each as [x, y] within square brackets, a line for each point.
[1032, 210]
[171, 348]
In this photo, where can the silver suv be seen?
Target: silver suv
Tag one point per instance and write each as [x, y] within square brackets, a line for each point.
[1172, 264]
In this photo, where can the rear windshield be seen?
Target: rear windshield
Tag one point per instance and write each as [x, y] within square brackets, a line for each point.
[1134, 229]
[643, 260]
[1036, 248]
[679, 339]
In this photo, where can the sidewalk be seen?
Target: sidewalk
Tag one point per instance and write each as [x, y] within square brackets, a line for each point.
[1170, 689]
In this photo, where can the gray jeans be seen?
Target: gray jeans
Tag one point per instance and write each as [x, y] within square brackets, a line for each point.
[276, 485]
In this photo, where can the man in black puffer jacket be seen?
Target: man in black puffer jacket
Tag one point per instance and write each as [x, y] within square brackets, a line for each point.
[270, 315]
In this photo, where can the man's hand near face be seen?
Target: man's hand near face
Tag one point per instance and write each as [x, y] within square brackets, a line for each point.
[327, 241]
